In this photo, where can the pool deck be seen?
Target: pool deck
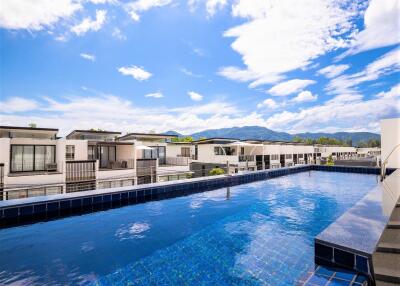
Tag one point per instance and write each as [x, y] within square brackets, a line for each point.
[351, 240]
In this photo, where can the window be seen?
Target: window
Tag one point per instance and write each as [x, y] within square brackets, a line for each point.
[274, 157]
[241, 150]
[70, 152]
[224, 151]
[28, 158]
[92, 152]
[288, 156]
[300, 155]
[185, 151]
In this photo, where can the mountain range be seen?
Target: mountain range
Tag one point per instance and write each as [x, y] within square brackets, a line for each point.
[262, 133]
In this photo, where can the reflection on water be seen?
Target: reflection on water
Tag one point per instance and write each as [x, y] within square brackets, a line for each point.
[132, 231]
[254, 234]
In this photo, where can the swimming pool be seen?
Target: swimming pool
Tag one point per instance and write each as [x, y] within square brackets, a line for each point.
[253, 234]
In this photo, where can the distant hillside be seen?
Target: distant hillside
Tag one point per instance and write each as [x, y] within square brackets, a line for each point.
[355, 137]
[262, 133]
[247, 132]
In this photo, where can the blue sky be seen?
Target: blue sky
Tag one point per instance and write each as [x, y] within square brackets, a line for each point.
[159, 65]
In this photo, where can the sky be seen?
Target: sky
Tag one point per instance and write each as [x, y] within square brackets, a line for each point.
[161, 65]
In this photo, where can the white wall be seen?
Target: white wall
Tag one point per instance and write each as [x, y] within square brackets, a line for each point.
[390, 137]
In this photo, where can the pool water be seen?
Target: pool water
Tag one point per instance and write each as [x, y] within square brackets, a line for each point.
[254, 234]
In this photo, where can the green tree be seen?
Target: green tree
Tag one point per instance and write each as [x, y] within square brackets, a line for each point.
[297, 139]
[182, 139]
[32, 125]
[216, 171]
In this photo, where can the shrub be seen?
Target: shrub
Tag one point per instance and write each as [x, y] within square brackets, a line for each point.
[330, 161]
[216, 171]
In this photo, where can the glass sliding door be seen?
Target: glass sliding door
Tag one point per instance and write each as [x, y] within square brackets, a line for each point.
[108, 155]
[27, 160]
[16, 158]
[40, 158]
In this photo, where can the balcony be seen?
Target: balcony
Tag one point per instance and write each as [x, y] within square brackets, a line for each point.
[79, 171]
[145, 167]
[117, 165]
[246, 158]
[175, 161]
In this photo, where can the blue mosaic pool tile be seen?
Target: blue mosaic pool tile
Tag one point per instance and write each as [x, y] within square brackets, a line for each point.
[97, 199]
[52, 207]
[362, 264]
[329, 276]
[115, 197]
[64, 205]
[77, 203]
[39, 208]
[86, 201]
[344, 258]
[26, 210]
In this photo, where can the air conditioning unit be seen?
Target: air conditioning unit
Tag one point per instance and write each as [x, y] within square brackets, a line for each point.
[51, 167]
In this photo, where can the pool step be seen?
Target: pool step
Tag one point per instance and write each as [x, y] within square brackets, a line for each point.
[383, 283]
[394, 221]
[390, 241]
[387, 267]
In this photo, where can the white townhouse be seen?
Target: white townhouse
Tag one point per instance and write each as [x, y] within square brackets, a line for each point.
[35, 162]
[220, 152]
[337, 152]
[31, 162]
[277, 154]
[368, 152]
[167, 160]
[114, 161]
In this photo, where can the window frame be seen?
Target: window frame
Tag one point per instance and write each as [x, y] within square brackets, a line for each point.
[54, 147]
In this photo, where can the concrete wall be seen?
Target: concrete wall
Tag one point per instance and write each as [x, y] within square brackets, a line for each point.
[390, 137]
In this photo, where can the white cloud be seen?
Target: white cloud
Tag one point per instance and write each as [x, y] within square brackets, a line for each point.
[90, 25]
[155, 95]
[289, 87]
[282, 35]
[17, 104]
[305, 96]
[344, 112]
[333, 70]
[113, 2]
[190, 73]
[243, 75]
[268, 103]
[118, 34]
[213, 5]
[382, 24]
[114, 113]
[195, 96]
[386, 64]
[89, 57]
[135, 7]
[35, 14]
[136, 72]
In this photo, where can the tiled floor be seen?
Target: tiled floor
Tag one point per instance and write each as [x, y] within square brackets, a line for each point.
[330, 276]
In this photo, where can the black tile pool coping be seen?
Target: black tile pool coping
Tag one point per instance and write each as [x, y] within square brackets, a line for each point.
[14, 212]
[351, 240]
